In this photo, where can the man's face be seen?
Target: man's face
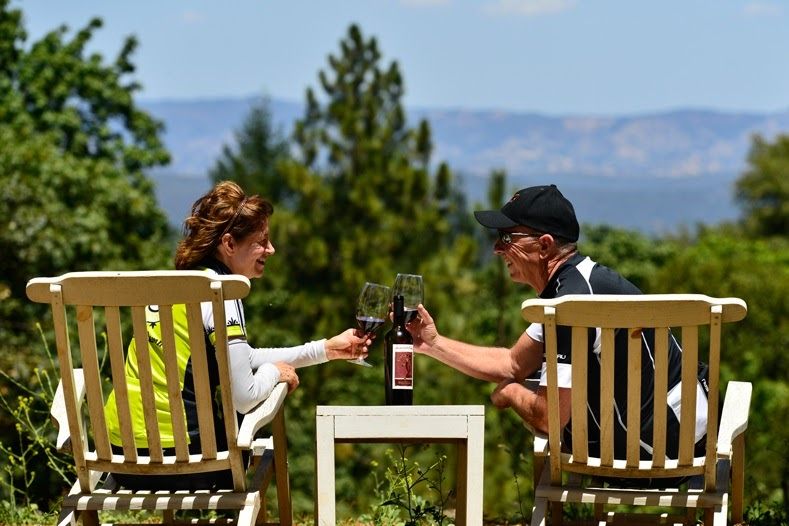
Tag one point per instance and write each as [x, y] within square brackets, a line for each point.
[520, 250]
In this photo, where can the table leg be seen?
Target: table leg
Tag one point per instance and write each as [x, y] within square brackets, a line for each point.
[324, 458]
[475, 452]
[461, 488]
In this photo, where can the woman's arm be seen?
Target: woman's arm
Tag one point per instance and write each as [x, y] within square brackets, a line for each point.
[310, 353]
[344, 346]
[251, 385]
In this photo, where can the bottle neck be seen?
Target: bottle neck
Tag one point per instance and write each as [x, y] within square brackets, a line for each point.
[399, 311]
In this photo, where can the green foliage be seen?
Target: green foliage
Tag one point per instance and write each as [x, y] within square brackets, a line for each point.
[402, 492]
[35, 435]
[75, 197]
[86, 104]
[636, 256]
[254, 162]
[722, 263]
[71, 167]
[767, 514]
[763, 190]
[31, 515]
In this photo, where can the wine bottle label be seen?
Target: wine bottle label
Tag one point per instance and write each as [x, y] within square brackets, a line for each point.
[402, 366]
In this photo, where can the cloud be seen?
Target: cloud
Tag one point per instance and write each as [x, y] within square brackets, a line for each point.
[762, 9]
[192, 17]
[424, 3]
[529, 7]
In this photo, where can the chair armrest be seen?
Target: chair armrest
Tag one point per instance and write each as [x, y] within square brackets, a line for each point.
[540, 445]
[734, 418]
[261, 415]
[58, 410]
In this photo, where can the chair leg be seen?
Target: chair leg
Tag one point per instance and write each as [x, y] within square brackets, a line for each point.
[599, 512]
[719, 515]
[281, 468]
[264, 470]
[737, 478]
[537, 466]
[67, 517]
[247, 515]
[263, 513]
[556, 513]
[538, 512]
[90, 517]
[709, 517]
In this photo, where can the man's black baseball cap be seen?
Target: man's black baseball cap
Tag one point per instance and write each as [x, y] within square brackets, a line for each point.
[542, 208]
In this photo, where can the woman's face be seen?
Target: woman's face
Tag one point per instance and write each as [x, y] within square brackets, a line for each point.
[248, 256]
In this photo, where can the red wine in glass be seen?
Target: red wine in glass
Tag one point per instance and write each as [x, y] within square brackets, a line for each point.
[372, 310]
[411, 288]
[410, 314]
[368, 325]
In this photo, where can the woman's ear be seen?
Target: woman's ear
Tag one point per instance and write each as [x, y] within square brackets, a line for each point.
[227, 244]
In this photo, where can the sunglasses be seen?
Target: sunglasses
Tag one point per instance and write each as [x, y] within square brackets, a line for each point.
[506, 237]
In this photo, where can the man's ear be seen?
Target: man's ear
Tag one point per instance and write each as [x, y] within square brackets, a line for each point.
[546, 243]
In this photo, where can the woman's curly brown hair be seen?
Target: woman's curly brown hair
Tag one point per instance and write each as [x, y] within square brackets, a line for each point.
[223, 210]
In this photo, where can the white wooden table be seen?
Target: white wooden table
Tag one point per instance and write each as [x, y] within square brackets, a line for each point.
[463, 425]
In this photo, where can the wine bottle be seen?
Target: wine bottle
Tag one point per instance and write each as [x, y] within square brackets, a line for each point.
[399, 366]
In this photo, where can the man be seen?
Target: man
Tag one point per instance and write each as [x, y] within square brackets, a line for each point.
[538, 231]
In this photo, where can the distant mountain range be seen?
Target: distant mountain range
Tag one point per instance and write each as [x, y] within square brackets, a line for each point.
[654, 173]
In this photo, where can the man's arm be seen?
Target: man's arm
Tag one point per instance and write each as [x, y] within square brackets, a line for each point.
[493, 364]
[531, 405]
[508, 367]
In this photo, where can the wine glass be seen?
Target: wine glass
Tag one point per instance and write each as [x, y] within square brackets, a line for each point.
[411, 288]
[371, 312]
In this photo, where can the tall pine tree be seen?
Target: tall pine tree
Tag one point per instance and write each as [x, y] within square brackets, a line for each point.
[255, 160]
[368, 205]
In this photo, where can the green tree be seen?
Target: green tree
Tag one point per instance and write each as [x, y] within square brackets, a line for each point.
[719, 263]
[757, 270]
[634, 255]
[367, 204]
[74, 152]
[763, 190]
[255, 160]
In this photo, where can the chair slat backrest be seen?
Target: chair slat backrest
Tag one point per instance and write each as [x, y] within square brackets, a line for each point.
[608, 314]
[107, 297]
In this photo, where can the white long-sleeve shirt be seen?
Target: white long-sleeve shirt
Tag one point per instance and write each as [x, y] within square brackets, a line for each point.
[252, 371]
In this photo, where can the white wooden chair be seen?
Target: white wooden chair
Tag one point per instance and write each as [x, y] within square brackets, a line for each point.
[564, 475]
[112, 296]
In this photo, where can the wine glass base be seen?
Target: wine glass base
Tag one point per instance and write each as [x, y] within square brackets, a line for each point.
[360, 361]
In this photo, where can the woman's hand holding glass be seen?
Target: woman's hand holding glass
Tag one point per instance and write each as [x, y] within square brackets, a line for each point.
[347, 345]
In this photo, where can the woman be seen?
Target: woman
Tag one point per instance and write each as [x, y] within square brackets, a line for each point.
[227, 233]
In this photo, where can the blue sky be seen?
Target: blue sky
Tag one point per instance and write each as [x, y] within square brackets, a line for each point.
[548, 56]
